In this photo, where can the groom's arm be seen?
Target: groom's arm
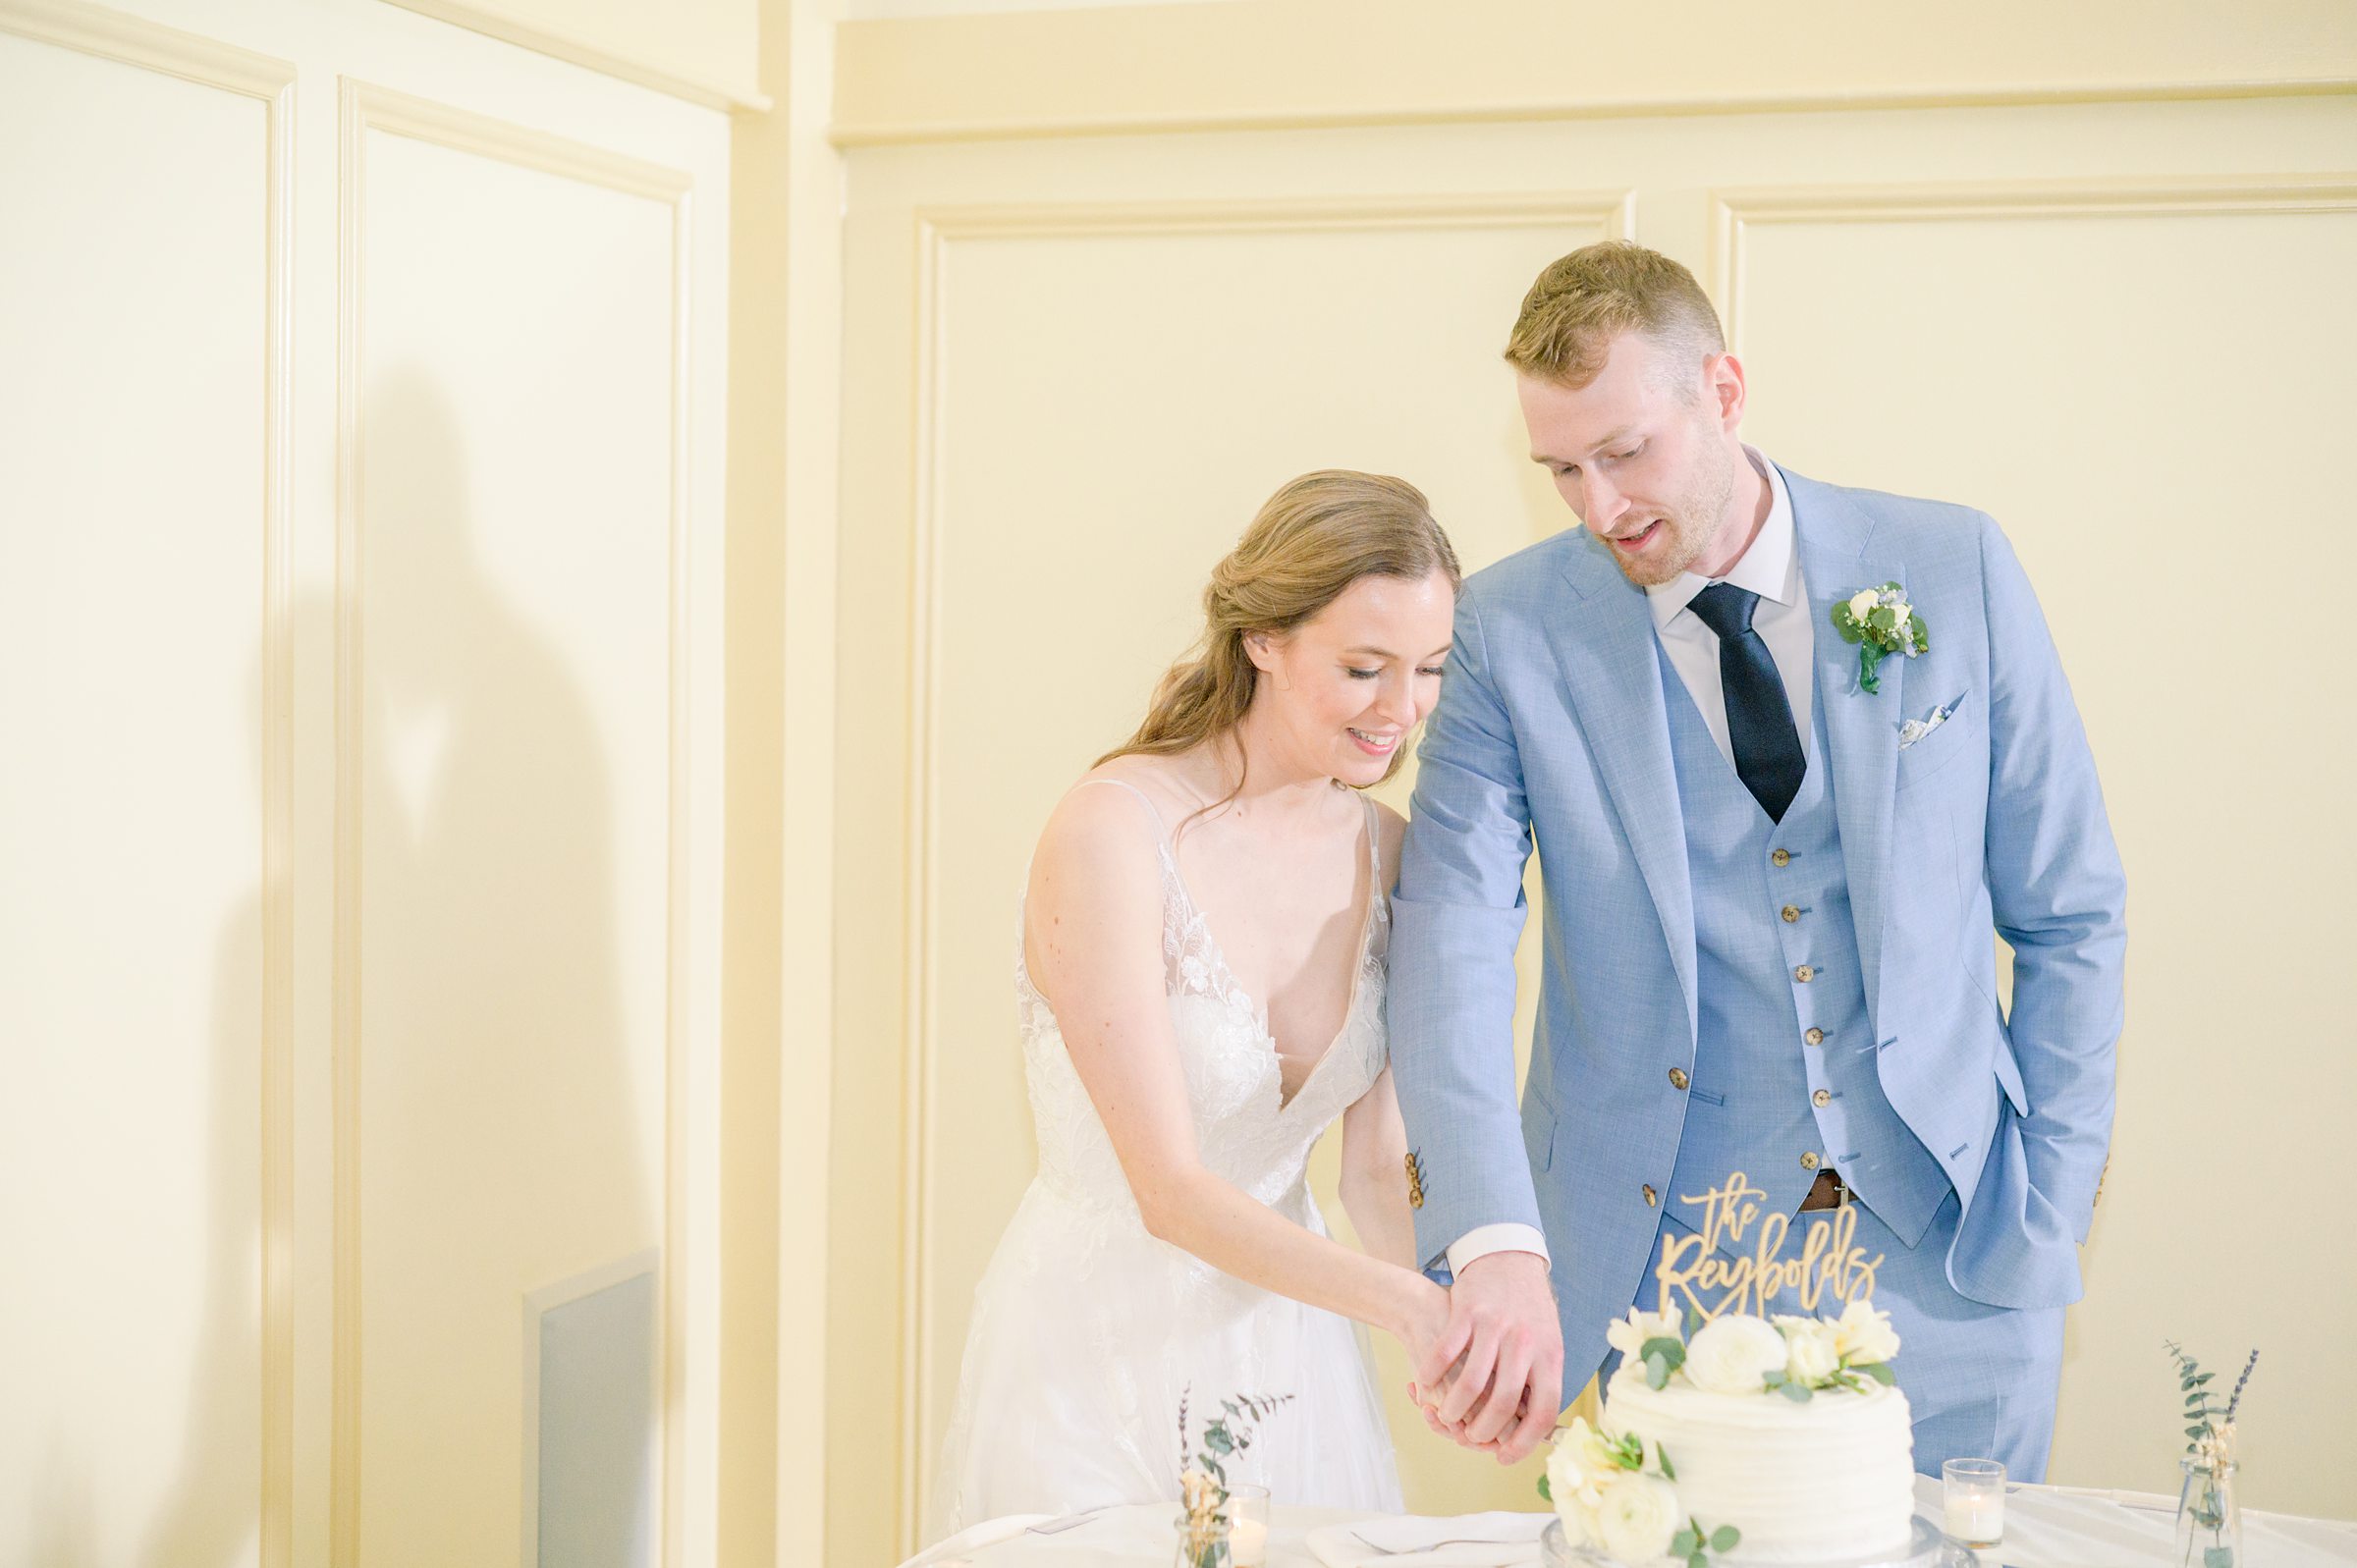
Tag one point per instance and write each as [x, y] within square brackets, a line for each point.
[1457, 917]
[2057, 893]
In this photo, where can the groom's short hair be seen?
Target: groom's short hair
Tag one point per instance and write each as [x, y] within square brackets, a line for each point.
[1582, 301]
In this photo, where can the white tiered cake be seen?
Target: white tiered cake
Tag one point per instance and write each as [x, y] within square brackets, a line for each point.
[1782, 1442]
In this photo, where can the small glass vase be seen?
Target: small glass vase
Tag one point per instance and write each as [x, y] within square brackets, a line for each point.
[1203, 1543]
[2209, 1532]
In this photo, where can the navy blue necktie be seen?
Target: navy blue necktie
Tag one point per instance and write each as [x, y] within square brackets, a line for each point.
[1759, 718]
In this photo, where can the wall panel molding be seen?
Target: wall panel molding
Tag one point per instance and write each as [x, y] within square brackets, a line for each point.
[146, 45]
[366, 108]
[703, 91]
[937, 230]
[1737, 212]
[1286, 65]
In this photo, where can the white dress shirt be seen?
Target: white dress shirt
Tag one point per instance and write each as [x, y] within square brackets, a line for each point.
[1771, 569]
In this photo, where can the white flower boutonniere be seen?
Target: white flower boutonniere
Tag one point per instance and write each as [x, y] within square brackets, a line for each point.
[1880, 621]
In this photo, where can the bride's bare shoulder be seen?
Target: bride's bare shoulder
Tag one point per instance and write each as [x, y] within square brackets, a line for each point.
[1168, 784]
[1111, 834]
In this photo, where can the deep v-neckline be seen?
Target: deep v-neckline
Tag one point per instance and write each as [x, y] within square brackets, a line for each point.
[1236, 996]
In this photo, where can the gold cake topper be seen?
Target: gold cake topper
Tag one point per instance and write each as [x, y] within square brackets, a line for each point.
[1692, 1266]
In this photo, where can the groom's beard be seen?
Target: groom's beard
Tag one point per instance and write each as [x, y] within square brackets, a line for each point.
[1691, 523]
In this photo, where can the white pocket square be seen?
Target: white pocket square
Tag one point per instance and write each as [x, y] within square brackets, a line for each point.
[1915, 729]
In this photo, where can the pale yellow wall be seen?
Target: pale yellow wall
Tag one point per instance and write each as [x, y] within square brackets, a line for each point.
[785, 270]
[707, 51]
[362, 510]
[1293, 62]
[1073, 363]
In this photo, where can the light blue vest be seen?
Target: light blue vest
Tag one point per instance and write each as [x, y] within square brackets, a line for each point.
[1783, 1067]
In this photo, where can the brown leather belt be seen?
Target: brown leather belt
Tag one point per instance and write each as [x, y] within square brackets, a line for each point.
[1827, 1192]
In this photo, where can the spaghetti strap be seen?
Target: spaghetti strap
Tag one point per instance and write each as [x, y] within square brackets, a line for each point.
[1162, 834]
[1374, 839]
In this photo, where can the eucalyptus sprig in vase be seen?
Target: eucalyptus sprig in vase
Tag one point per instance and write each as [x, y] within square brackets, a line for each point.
[1204, 1521]
[2208, 1529]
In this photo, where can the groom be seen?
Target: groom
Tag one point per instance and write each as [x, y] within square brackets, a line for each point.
[1770, 890]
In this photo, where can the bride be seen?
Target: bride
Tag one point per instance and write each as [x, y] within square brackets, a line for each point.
[1200, 986]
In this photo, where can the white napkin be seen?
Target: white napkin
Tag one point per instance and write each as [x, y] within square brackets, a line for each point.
[951, 1553]
[1465, 1540]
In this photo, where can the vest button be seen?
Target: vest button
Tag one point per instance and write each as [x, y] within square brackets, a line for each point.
[1651, 1197]
[1808, 1161]
[1790, 913]
[1805, 973]
[1815, 1036]
[1782, 857]
[1822, 1097]
[1677, 1078]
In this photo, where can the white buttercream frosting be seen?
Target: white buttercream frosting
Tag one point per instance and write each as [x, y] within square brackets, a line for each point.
[1831, 1478]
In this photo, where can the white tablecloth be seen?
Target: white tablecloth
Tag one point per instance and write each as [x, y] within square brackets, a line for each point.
[2046, 1527]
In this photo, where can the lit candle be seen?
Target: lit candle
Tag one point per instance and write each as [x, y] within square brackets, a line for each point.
[1977, 1521]
[1973, 1492]
[1248, 1543]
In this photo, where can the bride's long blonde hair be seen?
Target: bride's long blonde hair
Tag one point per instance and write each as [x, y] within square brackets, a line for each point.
[1311, 540]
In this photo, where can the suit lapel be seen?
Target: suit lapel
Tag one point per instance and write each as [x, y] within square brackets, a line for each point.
[1838, 559]
[1606, 649]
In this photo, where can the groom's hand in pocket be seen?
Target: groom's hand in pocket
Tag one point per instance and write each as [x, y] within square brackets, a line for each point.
[1501, 1356]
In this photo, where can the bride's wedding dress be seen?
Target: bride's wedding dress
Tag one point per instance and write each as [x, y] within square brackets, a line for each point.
[1087, 1331]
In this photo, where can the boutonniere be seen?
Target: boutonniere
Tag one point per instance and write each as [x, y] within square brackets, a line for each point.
[1880, 621]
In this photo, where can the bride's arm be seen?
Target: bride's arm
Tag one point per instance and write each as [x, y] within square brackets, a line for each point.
[1374, 1182]
[1093, 940]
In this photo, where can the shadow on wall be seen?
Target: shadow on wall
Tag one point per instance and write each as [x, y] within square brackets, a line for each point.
[511, 1081]
[206, 1516]
[505, 1078]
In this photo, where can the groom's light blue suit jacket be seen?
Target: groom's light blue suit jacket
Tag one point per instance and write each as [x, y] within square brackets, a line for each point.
[1553, 731]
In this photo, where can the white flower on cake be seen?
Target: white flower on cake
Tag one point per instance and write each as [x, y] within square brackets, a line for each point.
[1578, 1467]
[1812, 1350]
[1734, 1355]
[1607, 1492]
[1637, 1517]
[1865, 1335]
[1630, 1336]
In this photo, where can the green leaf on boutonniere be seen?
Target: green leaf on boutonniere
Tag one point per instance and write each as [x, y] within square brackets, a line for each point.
[1868, 657]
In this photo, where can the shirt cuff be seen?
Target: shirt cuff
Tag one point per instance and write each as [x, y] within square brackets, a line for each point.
[1482, 1240]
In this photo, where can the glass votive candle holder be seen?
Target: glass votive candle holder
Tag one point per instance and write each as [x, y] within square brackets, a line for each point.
[1973, 1492]
[1248, 1526]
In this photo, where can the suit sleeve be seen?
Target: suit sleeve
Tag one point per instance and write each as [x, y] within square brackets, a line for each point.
[2057, 893]
[1456, 916]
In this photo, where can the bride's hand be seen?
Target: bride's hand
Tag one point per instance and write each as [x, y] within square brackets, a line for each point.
[1422, 1319]
[1422, 1315]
